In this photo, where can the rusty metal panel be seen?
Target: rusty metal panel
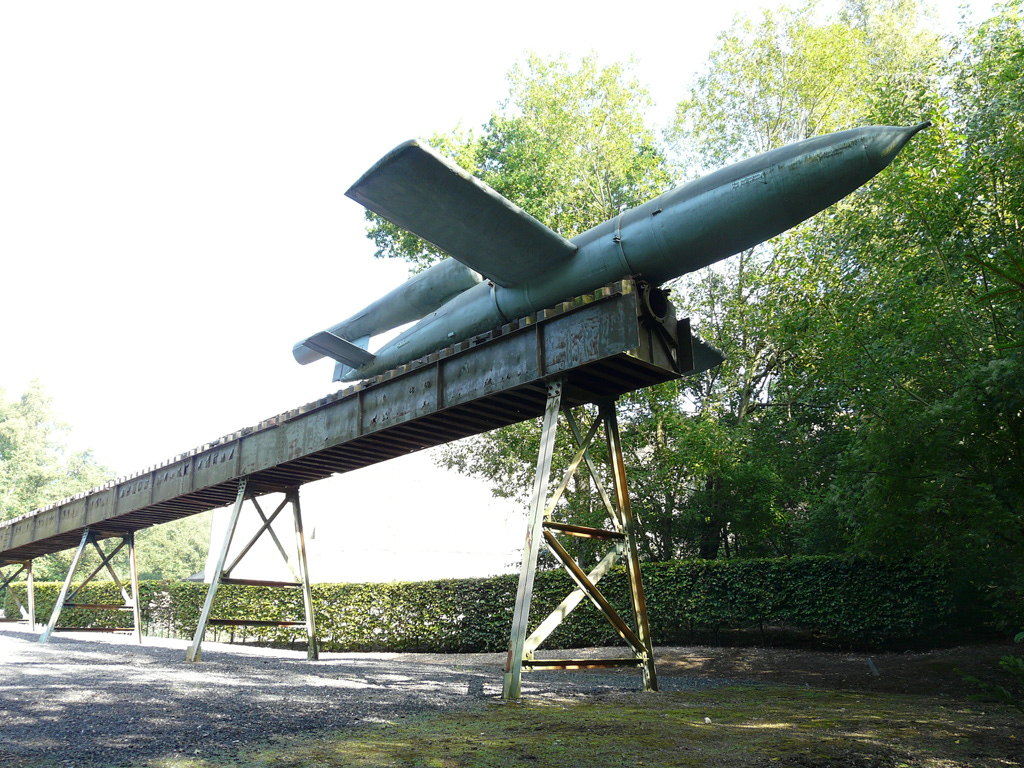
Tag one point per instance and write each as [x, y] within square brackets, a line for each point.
[215, 465]
[46, 524]
[341, 421]
[292, 440]
[79, 507]
[170, 480]
[71, 518]
[134, 493]
[21, 532]
[306, 434]
[507, 362]
[98, 507]
[399, 400]
[259, 451]
[591, 333]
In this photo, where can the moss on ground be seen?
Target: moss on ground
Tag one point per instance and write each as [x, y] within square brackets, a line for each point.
[725, 727]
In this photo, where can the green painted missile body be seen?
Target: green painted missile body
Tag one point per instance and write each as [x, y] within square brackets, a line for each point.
[528, 267]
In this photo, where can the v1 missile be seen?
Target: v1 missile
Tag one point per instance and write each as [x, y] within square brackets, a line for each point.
[504, 264]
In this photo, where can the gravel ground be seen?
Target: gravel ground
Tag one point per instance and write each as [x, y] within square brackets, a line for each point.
[83, 701]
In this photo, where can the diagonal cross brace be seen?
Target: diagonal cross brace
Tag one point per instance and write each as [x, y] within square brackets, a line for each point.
[104, 563]
[131, 600]
[594, 474]
[568, 605]
[521, 648]
[27, 614]
[590, 589]
[581, 453]
[265, 527]
[221, 574]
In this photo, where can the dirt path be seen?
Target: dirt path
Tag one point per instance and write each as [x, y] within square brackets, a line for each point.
[930, 673]
[926, 673]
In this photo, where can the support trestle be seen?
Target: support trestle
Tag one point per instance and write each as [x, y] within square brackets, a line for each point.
[222, 575]
[131, 598]
[542, 527]
[27, 614]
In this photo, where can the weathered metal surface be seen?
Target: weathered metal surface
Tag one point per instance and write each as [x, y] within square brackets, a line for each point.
[130, 595]
[534, 532]
[312, 644]
[26, 614]
[195, 649]
[222, 574]
[601, 345]
[590, 590]
[252, 623]
[627, 524]
[542, 528]
[584, 532]
[568, 605]
[572, 664]
[262, 583]
[427, 194]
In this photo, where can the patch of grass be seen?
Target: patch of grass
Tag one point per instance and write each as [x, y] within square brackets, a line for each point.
[749, 726]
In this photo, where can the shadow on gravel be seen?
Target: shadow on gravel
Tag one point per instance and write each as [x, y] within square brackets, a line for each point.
[81, 701]
[87, 702]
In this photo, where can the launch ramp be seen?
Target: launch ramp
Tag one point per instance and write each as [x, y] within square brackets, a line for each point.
[590, 350]
[602, 345]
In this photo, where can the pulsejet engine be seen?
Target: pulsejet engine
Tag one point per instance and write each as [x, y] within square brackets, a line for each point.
[504, 264]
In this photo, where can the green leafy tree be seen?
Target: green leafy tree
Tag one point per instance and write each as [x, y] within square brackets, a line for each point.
[35, 467]
[37, 470]
[770, 82]
[569, 145]
[174, 550]
[913, 328]
[871, 395]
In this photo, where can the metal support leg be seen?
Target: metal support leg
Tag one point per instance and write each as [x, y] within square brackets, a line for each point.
[131, 598]
[31, 599]
[222, 575]
[534, 536]
[312, 652]
[28, 614]
[541, 527]
[133, 574]
[194, 651]
[636, 587]
[59, 605]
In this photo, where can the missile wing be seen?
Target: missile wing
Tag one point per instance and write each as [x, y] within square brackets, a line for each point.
[529, 267]
[422, 192]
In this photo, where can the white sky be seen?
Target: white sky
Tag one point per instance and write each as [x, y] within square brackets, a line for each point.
[173, 219]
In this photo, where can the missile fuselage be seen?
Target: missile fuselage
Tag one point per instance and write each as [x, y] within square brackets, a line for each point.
[680, 231]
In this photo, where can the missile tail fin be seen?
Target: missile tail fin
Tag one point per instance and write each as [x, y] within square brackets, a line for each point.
[341, 369]
[421, 191]
[339, 349]
[705, 356]
[696, 355]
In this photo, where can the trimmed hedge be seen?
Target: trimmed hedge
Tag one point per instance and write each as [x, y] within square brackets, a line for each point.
[845, 601]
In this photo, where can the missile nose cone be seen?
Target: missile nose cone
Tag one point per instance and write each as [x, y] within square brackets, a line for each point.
[888, 141]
